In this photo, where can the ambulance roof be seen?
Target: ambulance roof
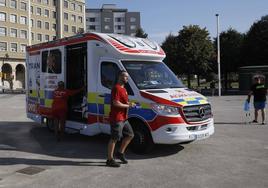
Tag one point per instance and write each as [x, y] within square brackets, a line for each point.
[122, 43]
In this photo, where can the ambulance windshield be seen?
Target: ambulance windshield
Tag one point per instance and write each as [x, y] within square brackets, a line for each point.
[152, 75]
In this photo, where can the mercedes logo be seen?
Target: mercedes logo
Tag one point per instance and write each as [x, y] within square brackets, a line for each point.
[201, 112]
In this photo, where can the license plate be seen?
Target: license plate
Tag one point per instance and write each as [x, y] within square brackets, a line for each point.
[201, 136]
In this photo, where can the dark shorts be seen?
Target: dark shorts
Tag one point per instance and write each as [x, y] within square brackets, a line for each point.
[259, 105]
[120, 129]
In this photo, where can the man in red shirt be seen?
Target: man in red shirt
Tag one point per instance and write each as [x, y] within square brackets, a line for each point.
[118, 120]
[60, 107]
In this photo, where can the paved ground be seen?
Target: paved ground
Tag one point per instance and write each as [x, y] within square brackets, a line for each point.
[235, 156]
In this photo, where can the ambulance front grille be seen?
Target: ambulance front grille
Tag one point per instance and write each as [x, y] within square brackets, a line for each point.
[197, 113]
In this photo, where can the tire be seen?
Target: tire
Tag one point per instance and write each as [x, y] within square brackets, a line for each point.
[142, 142]
[50, 125]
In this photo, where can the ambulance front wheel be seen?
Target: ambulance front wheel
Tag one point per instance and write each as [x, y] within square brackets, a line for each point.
[142, 141]
[50, 124]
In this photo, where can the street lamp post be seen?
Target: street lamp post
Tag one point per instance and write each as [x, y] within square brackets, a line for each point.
[218, 56]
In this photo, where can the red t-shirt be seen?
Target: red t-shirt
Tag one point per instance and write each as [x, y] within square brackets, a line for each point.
[60, 99]
[119, 94]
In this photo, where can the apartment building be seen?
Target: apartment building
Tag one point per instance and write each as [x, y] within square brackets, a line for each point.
[28, 22]
[110, 19]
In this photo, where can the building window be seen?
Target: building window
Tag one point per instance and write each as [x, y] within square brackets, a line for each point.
[54, 14]
[3, 31]
[39, 37]
[46, 13]
[54, 27]
[39, 24]
[13, 47]
[119, 19]
[107, 19]
[66, 28]
[31, 23]
[3, 3]
[38, 11]
[73, 29]
[13, 18]
[54, 2]
[13, 4]
[45, 2]
[65, 16]
[2, 16]
[23, 6]
[72, 6]
[73, 18]
[80, 19]
[39, 1]
[92, 27]
[80, 8]
[107, 27]
[3, 46]
[13, 32]
[132, 19]
[65, 4]
[23, 47]
[118, 27]
[23, 20]
[46, 38]
[31, 9]
[47, 25]
[133, 27]
[92, 19]
[23, 34]
[32, 36]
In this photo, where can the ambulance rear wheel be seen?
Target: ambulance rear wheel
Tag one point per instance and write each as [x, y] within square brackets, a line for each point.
[142, 142]
[50, 125]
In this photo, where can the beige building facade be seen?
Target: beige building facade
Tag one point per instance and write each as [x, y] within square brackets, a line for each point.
[28, 22]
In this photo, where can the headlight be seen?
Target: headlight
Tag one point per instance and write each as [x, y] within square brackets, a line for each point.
[165, 110]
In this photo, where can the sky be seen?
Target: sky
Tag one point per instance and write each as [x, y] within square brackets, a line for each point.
[159, 18]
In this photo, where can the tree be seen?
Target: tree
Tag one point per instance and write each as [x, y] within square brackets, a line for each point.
[230, 43]
[195, 51]
[141, 33]
[170, 47]
[255, 48]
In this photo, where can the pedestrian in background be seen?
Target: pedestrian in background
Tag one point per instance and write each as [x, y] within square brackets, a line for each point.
[259, 92]
[212, 88]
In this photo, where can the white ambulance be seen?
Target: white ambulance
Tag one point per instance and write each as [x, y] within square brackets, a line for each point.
[167, 112]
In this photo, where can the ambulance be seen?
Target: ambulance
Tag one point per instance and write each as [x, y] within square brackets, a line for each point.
[166, 111]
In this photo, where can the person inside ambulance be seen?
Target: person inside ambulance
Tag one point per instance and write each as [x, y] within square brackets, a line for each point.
[60, 107]
[53, 66]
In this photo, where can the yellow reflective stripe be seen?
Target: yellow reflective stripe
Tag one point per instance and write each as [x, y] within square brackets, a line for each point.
[100, 100]
[33, 94]
[190, 99]
[145, 105]
[203, 101]
[107, 109]
[183, 103]
[48, 102]
[42, 94]
[91, 97]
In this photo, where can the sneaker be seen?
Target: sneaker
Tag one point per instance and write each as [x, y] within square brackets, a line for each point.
[254, 121]
[122, 157]
[263, 123]
[112, 163]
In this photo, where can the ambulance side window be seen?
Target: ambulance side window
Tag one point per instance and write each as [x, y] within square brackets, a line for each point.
[109, 73]
[51, 61]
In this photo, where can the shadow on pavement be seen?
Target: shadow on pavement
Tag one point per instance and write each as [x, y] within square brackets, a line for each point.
[33, 138]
